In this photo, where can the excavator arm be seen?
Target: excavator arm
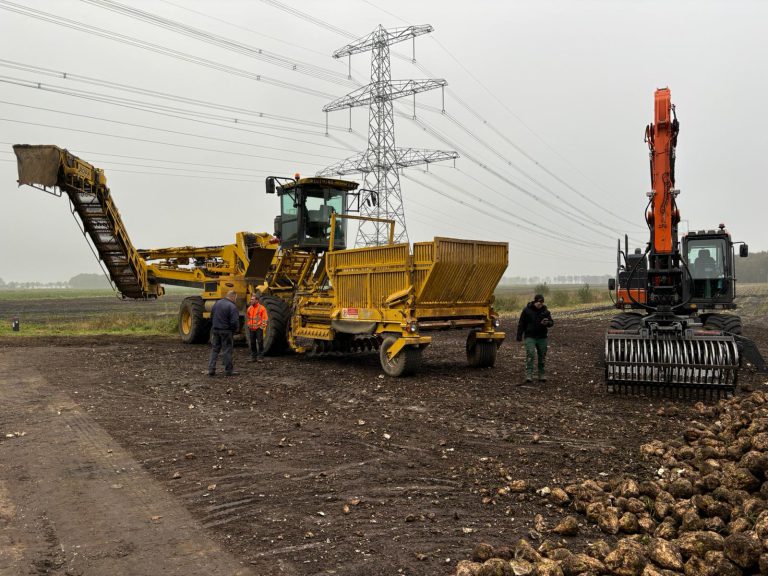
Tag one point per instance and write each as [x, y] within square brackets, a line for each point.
[661, 137]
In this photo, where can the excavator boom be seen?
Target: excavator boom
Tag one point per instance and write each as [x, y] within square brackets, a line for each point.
[662, 140]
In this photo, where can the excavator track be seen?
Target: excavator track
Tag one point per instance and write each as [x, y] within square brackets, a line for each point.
[704, 360]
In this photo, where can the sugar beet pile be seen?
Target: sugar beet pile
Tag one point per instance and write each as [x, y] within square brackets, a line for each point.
[704, 514]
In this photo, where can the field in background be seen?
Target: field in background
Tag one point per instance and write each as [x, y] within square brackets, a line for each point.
[88, 312]
[558, 296]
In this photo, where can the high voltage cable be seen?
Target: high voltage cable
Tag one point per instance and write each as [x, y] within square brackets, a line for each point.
[489, 213]
[195, 176]
[528, 224]
[304, 68]
[164, 95]
[502, 177]
[519, 149]
[146, 140]
[166, 112]
[130, 41]
[523, 123]
[244, 28]
[151, 159]
[309, 18]
[328, 26]
[499, 133]
[47, 17]
[177, 132]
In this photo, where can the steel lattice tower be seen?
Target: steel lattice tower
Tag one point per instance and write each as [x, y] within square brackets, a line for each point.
[381, 160]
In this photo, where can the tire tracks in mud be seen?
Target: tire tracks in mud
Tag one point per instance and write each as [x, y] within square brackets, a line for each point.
[94, 509]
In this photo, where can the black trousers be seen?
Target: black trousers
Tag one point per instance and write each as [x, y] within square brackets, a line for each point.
[221, 341]
[256, 342]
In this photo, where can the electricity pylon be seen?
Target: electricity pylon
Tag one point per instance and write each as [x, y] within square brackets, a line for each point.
[381, 160]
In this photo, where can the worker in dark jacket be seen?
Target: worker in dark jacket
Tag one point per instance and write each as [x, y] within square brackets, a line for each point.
[225, 321]
[534, 322]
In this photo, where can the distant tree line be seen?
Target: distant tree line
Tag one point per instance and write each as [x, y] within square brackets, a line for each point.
[754, 268]
[81, 281]
[580, 279]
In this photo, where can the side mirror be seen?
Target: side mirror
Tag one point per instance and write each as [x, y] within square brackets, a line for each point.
[743, 251]
[611, 284]
[270, 185]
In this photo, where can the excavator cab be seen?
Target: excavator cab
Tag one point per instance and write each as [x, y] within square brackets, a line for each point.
[709, 256]
[306, 206]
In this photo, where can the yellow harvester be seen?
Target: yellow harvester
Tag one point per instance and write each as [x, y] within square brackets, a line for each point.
[320, 296]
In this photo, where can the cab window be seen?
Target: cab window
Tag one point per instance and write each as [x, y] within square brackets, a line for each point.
[706, 264]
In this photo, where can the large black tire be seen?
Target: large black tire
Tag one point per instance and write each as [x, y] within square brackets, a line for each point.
[278, 316]
[626, 321]
[406, 363]
[193, 328]
[480, 354]
[724, 322]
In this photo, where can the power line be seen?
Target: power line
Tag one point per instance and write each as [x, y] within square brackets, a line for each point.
[297, 66]
[503, 178]
[167, 131]
[332, 28]
[96, 154]
[146, 140]
[158, 49]
[244, 28]
[527, 224]
[162, 95]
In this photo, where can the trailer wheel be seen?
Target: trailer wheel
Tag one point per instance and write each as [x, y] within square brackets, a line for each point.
[725, 323]
[481, 354]
[406, 363]
[626, 321]
[193, 328]
[278, 315]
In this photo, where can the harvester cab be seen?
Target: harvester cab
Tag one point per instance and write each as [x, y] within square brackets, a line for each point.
[678, 338]
[307, 206]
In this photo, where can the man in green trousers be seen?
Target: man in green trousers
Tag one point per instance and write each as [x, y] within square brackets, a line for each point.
[534, 322]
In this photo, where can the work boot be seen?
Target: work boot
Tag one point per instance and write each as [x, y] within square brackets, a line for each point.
[253, 359]
[211, 374]
[233, 373]
[528, 380]
[542, 378]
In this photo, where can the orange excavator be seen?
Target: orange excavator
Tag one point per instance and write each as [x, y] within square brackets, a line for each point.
[676, 333]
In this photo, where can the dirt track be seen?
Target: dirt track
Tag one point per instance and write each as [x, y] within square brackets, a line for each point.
[298, 465]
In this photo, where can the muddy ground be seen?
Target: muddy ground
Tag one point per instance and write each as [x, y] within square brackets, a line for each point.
[300, 466]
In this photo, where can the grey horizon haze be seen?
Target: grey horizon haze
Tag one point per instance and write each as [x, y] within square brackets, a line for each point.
[546, 104]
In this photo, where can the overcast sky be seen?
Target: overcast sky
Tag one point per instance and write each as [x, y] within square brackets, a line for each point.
[546, 104]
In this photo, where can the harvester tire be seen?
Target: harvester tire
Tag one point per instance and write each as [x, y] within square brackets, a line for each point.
[193, 328]
[626, 321]
[481, 354]
[278, 316]
[724, 322]
[406, 363]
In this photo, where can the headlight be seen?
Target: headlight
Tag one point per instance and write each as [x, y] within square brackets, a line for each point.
[496, 322]
[413, 327]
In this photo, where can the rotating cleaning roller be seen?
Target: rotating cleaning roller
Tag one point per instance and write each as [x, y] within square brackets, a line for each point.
[700, 360]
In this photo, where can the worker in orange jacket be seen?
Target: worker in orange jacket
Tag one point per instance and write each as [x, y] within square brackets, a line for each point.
[256, 320]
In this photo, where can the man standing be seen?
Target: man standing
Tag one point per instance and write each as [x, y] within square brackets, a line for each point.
[534, 322]
[225, 321]
[256, 317]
